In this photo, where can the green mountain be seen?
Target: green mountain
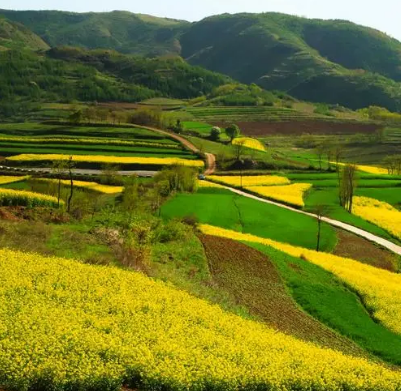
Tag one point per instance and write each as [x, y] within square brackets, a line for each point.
[335, 62]
[15, 35]
[68, 74]
[326, 61]
[118, 30]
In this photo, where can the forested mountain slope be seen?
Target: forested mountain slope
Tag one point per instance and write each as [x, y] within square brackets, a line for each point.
[323, 61]
[122, 31]
[327, 61]
[15, 35]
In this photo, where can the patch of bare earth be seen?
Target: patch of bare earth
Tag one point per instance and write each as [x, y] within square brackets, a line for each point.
[253, 281]
[355, 247]
[260, 129]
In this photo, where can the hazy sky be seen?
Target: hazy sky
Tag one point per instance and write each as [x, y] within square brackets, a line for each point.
[383, 15]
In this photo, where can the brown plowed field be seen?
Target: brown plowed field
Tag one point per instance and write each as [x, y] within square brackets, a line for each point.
[261, 129]
[252, 280]
[355, 247]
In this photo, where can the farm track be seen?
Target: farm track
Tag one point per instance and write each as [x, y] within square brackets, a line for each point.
[251, 278]
[335, 223]
[210, 158]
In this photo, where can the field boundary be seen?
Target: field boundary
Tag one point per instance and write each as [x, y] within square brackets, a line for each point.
[335, 223]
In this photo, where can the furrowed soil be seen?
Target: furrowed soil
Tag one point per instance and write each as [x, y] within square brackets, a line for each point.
[260, 129]
[253, 281]
[362, 250]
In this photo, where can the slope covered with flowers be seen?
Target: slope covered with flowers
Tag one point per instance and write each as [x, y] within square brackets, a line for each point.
[260, 180]
[291, 194]
[26, 198]
[108, 159]
[380, 213]
[75, 326]
[251, 143]
[5, 180]
[90, 186]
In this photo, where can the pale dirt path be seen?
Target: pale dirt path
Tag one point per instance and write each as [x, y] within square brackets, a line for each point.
[210, 158]
[347, 227]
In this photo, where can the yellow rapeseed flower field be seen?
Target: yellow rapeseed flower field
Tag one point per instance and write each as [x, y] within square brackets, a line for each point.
[368, 169]
[379, 213]
[290, 194]
[94, 141]
[76, 326]
[108, 159]
[90, 185]
[249, 142]
[208, 184]
[260, 180]
[5, 180]
[10, 197]
[380, 288]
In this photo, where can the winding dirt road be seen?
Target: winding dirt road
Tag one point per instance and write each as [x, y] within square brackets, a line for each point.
[210, 158]
[347, 227]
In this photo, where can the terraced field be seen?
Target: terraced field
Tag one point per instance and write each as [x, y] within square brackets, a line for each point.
[101, 141]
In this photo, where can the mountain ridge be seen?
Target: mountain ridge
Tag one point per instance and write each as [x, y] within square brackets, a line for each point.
[330, 61]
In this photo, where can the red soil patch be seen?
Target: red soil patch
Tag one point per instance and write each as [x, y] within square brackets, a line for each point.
[260, 129]
[355, 247]
[252, 280]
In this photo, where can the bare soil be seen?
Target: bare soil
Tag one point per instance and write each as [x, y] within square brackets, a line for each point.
[355, 247]
[260, 129]
[253, 281]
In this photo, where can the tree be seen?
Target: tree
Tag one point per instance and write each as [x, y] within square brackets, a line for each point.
[130, 194]
[59, 169]
[215, 133]
[338, 151]
[393, 164]
[76, 117]
[70, 166]
[320, 152]
[320, 211]
[347, 186]
[239, 149]
[233, 131]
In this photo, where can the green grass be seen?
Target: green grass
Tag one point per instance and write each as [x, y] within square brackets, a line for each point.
[327, 299]
[44, 130]
[329, 198]
[223, 208]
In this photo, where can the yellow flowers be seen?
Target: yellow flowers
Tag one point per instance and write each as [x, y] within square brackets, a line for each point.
[379, 213]
[108, 159]
[5, 180]
[25, 198]
[208, 184]
[251, 143]
[291, 194]
[261, 180]
[90, 186]
[380, 289]
[94, 327]
[368, 169]
[91, 141]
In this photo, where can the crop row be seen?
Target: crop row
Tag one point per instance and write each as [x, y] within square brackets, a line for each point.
[75, 326]
[93, 186]
[26, 198]
[88, 141]
[290, 194]
[106, 159]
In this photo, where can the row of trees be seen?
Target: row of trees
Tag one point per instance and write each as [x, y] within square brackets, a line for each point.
[232, 131]
[393, 164]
